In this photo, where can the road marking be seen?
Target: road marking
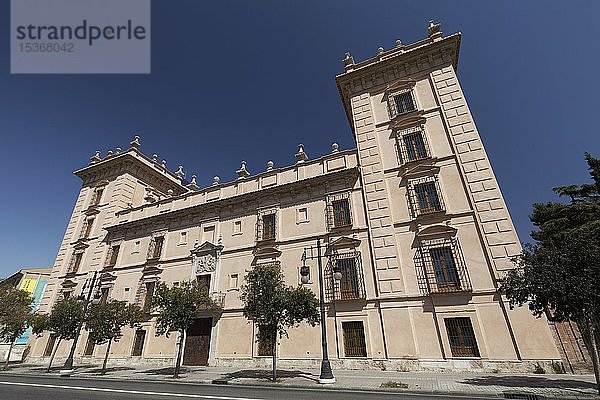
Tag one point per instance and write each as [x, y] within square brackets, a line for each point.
[91, 389]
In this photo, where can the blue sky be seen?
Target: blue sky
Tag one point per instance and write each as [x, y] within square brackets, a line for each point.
[235, 80]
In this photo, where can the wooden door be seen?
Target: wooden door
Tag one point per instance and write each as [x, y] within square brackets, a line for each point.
[197, 342]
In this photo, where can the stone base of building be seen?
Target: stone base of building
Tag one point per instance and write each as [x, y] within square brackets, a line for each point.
[19, 352]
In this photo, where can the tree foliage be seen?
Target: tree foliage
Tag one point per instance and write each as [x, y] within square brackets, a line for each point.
[177, 307]
[275, 307]
[64, 319]
[559, 273]
[15, 314]
[105, 322]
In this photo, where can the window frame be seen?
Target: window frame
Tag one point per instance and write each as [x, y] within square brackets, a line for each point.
[136, 342]
[463, 331]
[403, 150]
[260, 226]
[335, 290]
[393, 108]
[357, 328]
[428, 273]
[330, 212]
[415, 196]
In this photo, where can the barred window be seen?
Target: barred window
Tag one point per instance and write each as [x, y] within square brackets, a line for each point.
[75, 262]
[97, 196]
[86, 229]
[338, 211]
[412, 145]
[149, 295]
[89, 347]
[354, 339]
[50, 345]
[113, 254]
[104, 295]
[441, 267]
[425, 197]
[266, 336]
[351, 286]
[461, 337]
[155, 248]
[404, 102]
[266, 225]
[138, 343]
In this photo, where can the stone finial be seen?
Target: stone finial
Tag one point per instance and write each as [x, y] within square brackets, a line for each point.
[109, 153]
[270, 165]
[170, 192]
[118, 150]
[220, 240]
[216, 181]
[164, 164]
[301, 156]
[399, 43]
[348, 61]
[95, 158]
[179, 173]
[335, 147]
[154, 157]
[380, 51]
[135, 143]
[242, 172]
[193, 185]
[150, 197]
[434, 29]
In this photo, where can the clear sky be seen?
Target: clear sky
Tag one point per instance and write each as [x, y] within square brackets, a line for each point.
[235, 80]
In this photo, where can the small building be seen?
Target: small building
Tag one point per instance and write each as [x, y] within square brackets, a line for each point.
[413, 217]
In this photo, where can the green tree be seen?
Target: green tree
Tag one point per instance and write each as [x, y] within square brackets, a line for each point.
[558, 274]
[105, 322]
[15, 314]
[177, 307]
[63, 322]
[275, 307]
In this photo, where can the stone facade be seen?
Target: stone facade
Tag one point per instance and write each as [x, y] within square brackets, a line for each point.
[413, 216]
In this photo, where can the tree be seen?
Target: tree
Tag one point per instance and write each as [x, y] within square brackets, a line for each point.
[105, 322]
[64, 322]
[15, 313]
[178, 306]
[558, 274]
[275, 307]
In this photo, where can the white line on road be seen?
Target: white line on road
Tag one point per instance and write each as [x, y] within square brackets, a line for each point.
[92, 389]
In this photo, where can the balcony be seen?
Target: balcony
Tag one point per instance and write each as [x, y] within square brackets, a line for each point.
[441, 267]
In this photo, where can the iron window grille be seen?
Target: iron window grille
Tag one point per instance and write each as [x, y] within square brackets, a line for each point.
[75, 262]
[111, 257]
[352, 284]
[461, 337]
[138, 343]
[425, 196]
[97, 196]
[412, 145]
[401, 102]
[338, 211]
[354, 339]
[155, 248]
[265, 340]
[441, 267]
[266, 225]
[86, 229]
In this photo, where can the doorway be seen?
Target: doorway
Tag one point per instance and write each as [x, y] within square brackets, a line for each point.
[197, 342]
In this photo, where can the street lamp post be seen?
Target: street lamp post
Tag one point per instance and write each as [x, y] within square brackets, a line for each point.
[67, 369]
[326, 373]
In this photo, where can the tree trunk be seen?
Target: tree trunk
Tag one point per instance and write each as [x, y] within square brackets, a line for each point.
[178, 358]
[274, 350]
[12, 344]
[594, 351]
[54, 350]
[106, 358]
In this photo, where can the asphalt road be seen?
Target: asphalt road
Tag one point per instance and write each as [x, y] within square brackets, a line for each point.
[13, 387]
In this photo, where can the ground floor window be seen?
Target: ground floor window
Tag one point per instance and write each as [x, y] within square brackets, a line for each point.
[50, 345]
[265, 341]
[461, 337]
[89, 347]
[138, 343]
[354, 339]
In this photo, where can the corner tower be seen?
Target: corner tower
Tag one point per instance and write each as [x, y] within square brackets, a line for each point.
[441, 233]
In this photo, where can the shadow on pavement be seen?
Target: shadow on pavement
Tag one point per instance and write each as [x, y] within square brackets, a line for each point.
[267, 374]
[529, 382]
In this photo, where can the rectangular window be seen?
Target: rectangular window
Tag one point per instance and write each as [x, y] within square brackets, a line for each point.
[136, 247]
[404, 102]
[427, 199]
[204, 280]
[302, 215]
[265, 341]
[89, 347]
[349, 288]
[104, 295]
[138, 343]
[354, 339]
[50, 345]
[113, 253]
[87, 228]
[183, 238]
[341, 213]
[75, 263]
[208, 234]
[237, 227]
[233, 281]
[97, 196]
[268, 224]
[155, 249]
[150, 286]
[444, 267]
[461, 337]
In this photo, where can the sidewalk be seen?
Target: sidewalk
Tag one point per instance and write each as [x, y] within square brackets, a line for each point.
[548, 386]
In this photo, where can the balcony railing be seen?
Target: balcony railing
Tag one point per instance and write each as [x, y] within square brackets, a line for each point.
[351, 286]
[441, 267]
